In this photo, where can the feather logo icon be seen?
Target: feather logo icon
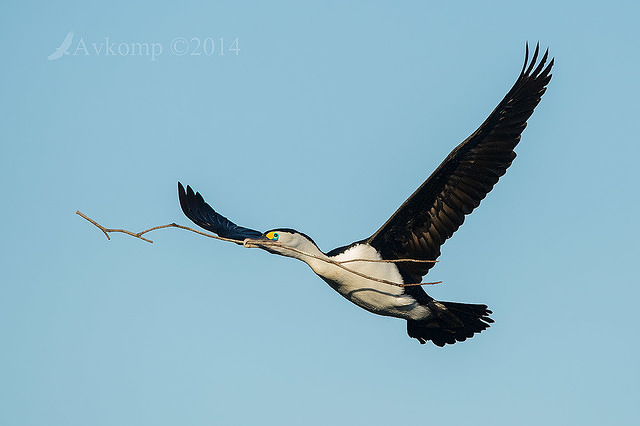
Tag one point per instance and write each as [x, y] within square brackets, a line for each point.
[63, 49]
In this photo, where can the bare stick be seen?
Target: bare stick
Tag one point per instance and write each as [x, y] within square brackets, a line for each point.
[391, 260]
[140, 234]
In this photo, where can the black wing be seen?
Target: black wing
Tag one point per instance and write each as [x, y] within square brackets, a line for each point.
[201, 213]
[437, 209]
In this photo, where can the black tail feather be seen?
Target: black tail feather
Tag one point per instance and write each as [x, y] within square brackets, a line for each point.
[453, 322]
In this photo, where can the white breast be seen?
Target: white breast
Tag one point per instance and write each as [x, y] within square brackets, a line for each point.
[374, 296]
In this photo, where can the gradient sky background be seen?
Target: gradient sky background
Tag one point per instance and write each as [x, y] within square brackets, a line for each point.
[328, 117]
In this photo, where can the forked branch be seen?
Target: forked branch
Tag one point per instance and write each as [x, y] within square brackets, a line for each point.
[140, 234]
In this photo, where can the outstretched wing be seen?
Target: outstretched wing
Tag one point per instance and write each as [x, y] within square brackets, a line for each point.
[201, 213]
[67, 41]
[438, 207]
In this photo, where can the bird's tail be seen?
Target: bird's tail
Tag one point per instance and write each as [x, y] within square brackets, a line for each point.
[452, 322]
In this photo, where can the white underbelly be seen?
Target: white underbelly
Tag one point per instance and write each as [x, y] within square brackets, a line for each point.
[372, 295]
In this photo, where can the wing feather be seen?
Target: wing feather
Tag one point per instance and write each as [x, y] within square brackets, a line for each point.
[203, 215]
[438, 207]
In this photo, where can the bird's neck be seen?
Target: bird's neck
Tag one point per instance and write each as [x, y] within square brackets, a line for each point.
[310, 254]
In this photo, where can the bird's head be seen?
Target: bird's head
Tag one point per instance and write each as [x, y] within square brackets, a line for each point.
[285, 242]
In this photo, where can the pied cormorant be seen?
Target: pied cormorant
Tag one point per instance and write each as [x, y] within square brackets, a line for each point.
[415, 231]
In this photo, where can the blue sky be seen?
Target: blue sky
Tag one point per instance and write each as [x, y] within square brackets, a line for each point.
[327, 117]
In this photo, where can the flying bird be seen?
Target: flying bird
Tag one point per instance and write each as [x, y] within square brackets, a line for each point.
[63, 49]
[376, 273]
